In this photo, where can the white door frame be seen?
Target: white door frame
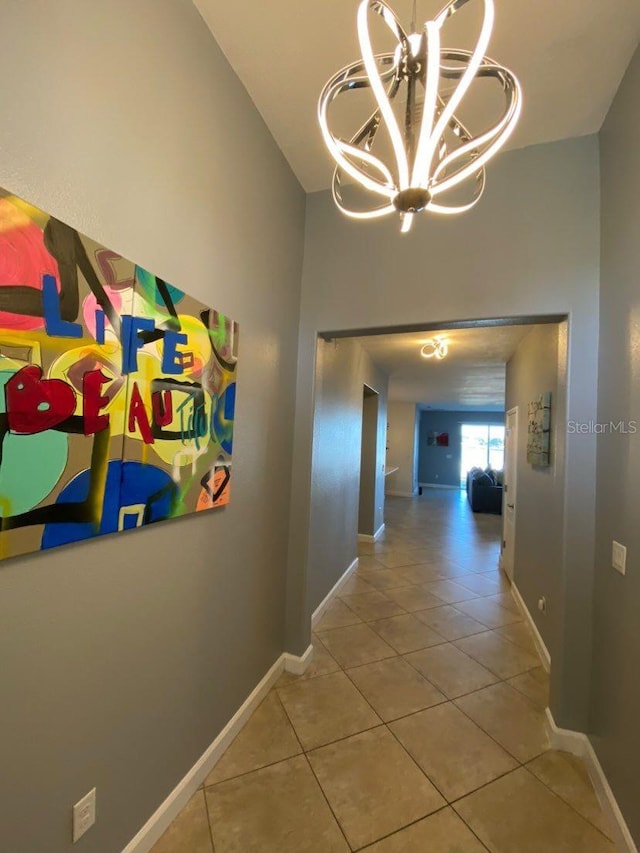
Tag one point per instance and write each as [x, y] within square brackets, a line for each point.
[510, 488]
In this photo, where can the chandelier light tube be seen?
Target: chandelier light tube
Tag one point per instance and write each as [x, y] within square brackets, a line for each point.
[434, 152]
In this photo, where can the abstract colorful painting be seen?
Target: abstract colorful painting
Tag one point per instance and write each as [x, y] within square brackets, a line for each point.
[118, 390]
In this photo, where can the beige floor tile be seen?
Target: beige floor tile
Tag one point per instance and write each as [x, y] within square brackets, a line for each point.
[406, 633]
[451, 623]
[421, 574]
[520, 634]
[382, 579]
[455, 754]
[518, 814]
[355, 585]
[510, 718]
[369, 563]
[279, 809]
[449, 591]
[373, 786]
[498, 654]
[356, 645]
[480, 584]
[268, 737]
[189, 831]
[568, 777]
[451, 670]
[413, 598]
[337, 615]
[371, 606]
[394, 688]
[506, 600]
[442, 832]
[499, 576]
[325, 709]
[488, 612]
[394, 559]
[534, 685]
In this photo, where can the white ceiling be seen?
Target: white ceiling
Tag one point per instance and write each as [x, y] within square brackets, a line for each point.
[570, 56]
[472, 376]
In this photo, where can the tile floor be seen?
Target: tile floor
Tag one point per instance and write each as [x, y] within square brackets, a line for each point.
[419, 725]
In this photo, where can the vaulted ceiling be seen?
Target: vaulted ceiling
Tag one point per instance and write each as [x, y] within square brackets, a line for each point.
[570, 56]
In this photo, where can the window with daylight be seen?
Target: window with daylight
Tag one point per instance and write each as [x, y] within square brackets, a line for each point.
[482, 445]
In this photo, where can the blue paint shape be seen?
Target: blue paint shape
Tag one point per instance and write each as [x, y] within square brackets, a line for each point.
[100, 327]
[222, 418]
[170, 363]
[230, 402]
[54, 324]
[129, 484]
[131, 341]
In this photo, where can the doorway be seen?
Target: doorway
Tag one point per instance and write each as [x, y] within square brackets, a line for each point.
[510, 492]
[368, 464]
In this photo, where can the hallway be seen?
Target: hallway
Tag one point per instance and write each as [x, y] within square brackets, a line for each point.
[419, 724]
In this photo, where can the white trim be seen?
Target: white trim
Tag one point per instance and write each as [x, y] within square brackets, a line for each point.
[439, 486]
[401, 494]
[364, 537]
[543, 651]
[579, 744]
[318, 613]
[160, 820]
[298, 665]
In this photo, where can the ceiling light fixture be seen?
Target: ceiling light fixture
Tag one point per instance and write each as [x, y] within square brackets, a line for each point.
[437, 347]
[434, 152]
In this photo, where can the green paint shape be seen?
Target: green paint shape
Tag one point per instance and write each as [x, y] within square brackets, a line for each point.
[31, 464]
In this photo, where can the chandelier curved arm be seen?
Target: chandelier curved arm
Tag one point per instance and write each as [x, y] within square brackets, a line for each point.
[375, 79]
[351, 78]
[424, 158]
[488, 143]
[433, 151]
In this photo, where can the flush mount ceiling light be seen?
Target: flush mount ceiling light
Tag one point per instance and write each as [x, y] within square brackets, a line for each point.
[436, 347]
[418, 89]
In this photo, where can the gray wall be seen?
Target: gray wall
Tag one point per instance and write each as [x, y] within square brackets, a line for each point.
[441, 465]
[122, 659]
[536, 367]
[616, 687]
[402, 449]
[342, 369]
[530, 247]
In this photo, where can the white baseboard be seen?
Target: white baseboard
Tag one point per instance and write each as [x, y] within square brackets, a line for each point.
[318, 613]
[298, 665]
[189, 784]
[401, 494]
[579, 744]
[438, 486]
[543, 651]
[364, 537]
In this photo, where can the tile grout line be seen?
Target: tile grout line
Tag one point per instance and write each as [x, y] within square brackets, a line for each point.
[318, 783]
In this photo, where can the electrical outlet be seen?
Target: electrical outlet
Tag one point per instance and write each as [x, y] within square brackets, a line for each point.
[619, 558]
[84, 815]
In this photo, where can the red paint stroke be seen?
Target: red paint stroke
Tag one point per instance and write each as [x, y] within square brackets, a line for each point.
[162, 408]
[35, 404]
[93, 401]
[24, 259]
[138, 415]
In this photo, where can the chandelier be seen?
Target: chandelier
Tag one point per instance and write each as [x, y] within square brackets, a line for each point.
[418, 89]
[437, 347]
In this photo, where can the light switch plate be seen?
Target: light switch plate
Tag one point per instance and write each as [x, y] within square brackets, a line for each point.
[84, 814]
[619, 558]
